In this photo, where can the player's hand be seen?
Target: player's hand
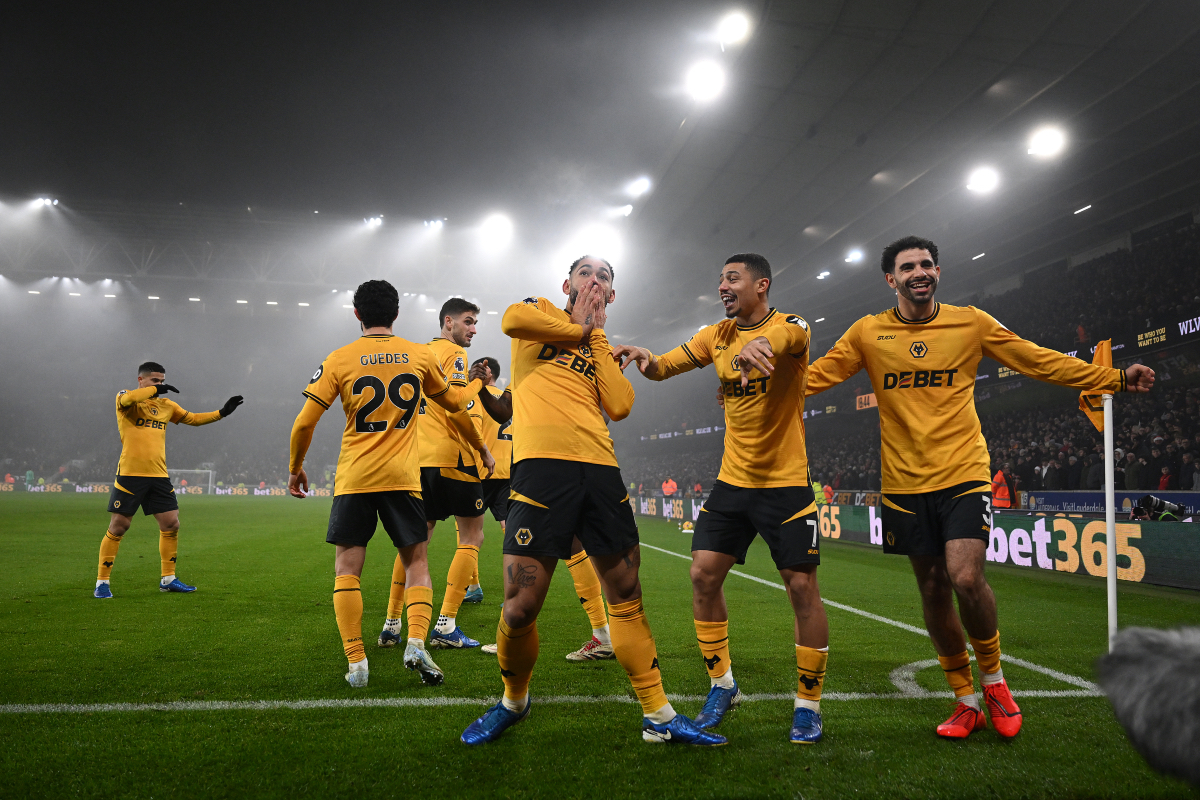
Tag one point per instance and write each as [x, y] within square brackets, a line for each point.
[231, 405]
[1139, 378]
[627, 354]
[755, 355]
[162, 388]
[583, 311]
[600, 311]
[489, 463]
[721, 395]
[480, 371]
[298, 484]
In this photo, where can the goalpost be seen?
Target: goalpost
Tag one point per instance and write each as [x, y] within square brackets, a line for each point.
[194, 477]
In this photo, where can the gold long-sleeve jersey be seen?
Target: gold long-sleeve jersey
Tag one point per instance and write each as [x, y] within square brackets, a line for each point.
[560, 385]
[497, 437]
[923, 375]
[382, 381]
[764, 427]
[448, 440]
[142, 422]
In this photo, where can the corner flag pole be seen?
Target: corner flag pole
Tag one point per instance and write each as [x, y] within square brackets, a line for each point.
[1110, 517]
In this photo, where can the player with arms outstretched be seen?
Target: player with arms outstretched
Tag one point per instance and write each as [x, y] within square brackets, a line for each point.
[142, 479]
[566, 485]
[922, 358]
[761, 357]
[382, 380]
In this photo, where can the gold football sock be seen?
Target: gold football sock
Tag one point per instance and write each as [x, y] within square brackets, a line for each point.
[108, 554]
[713, 638]
[633, 645]
[810, 673]
[168, 549]
[587, 588]
[517, 650]
[396, 595]
[420, 611]
[987, 656]
[474, 581]
[466, 559]
[958, 674]
[347, 608]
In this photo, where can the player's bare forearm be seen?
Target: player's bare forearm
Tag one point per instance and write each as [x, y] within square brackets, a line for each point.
[498, 408]
[755, 356]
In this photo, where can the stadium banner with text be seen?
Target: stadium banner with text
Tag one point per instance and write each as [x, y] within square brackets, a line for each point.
[105, 488]
[1093, 502]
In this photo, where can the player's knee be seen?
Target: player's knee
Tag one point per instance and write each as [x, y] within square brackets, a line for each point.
[705, 582]
[118, 525]
[970, 583]
[520, 611]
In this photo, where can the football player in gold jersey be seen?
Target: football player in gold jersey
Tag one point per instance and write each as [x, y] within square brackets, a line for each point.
[382, 381]
[450, 481]
[142, 479]
[922, 358]
[566, 485]
[497, 434]
[761, 357]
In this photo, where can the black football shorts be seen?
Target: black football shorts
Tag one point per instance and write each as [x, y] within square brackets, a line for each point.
[353, 518]
[495, 497]
[553, 501]
[921, 524]
[451, 491]
[154, 495]
[785, 517]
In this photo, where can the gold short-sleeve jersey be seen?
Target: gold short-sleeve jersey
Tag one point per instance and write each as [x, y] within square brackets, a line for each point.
[496, 436]
[382, 381]
[923, 374]
[560, 385]
[445, 442]
[764, 426]
[142, 422]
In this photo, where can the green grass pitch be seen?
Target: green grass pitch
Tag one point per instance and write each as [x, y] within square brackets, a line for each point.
[261, 628]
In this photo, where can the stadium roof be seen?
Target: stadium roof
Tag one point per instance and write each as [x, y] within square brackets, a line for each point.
[842, 126]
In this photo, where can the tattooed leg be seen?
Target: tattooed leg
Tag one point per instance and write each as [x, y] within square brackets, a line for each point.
[526, 581]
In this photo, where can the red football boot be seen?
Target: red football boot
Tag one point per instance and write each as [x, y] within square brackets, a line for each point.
[1006, 717]
[962, 723]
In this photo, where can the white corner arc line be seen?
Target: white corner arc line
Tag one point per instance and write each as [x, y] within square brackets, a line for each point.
[1053, 673]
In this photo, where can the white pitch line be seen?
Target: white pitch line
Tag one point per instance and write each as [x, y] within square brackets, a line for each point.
[442, 702]
[1082, 683]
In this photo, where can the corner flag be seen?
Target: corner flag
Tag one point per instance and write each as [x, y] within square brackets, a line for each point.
[1090, 402]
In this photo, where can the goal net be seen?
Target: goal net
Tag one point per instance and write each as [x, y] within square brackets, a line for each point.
[186, 480]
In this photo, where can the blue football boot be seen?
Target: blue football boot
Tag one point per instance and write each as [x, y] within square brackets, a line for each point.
[474, 595]
[389, 639]
[495, 721]
[680, 730]
[102, 592]
[806, 726]
[454, 639]
[175, 586]
[719, 701]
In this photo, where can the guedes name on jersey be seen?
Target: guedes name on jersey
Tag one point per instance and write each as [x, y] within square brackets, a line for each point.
[384, 358]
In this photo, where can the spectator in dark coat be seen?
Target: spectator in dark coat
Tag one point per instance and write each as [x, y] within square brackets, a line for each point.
[1187, 471]
[1074, 473]
[1052, 478]
[1133, 473]
[1095, 473]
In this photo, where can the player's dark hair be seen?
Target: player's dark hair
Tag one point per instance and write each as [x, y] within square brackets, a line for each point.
[377, 304]
[150, 367]
[612, 273]
[492, 363]
[888, 261]
[756, 265]
[453, 307]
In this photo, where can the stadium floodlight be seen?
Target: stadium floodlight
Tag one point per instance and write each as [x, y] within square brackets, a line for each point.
[493, 312]
[431, 310]
[73, 294]
[823, 275]
[820, 319]
[110, 295]
[194, 299]
[243, 302]
[373, 222]
[435, 224]
[638, 187]
[272, 302]
[625, 210]
[1047, 142]
[153, 297]
[34, 291]
[302, 305]
[854, 256]
[983, 180]
[976, 258]
[733, 28]
[496, 231]
[1085, 208]
[705, 81]
[346, 306]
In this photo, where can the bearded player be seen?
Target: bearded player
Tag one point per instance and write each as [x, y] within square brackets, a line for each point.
[566, 485]
[922, 357]
[382, 381]
[142, 480]
[761, 357]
